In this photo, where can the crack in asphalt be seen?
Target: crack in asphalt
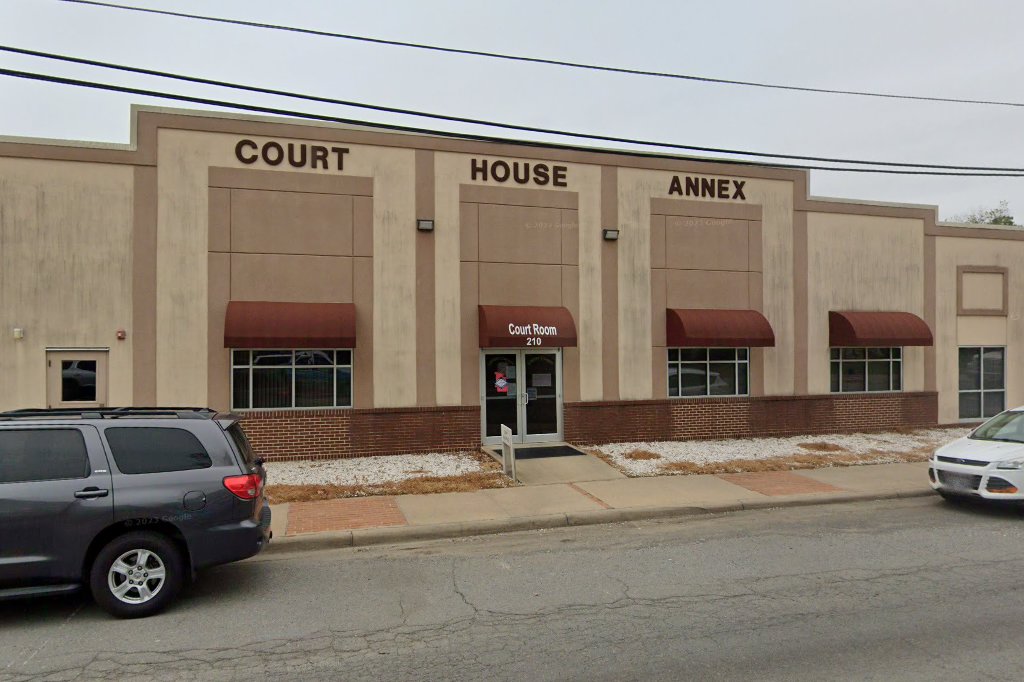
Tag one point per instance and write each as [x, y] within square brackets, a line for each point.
[473, 628]
[288, 656]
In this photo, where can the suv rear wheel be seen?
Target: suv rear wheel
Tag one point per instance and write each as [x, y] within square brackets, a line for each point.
[137, 574]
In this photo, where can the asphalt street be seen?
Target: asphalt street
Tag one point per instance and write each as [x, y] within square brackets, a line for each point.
[896, 590]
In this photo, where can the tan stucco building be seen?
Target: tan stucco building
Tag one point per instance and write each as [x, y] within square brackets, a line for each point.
[357, 291]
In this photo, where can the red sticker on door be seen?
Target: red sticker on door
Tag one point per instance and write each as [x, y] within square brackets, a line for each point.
[500, 382]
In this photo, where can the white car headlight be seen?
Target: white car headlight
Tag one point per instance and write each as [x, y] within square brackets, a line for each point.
[1011, 464]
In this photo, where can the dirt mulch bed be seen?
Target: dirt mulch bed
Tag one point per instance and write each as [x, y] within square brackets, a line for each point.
[491, 477]
[791, 463]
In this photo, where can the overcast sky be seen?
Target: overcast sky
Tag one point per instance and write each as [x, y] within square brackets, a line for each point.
[939, 48]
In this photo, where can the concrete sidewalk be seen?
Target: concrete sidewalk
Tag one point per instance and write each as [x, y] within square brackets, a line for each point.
[375, 520]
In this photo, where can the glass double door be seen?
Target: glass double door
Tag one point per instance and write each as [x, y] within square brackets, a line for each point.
[522, 389]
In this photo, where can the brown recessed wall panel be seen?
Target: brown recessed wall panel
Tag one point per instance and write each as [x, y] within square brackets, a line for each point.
[755, 291]
[659, 304]
[571, 290]
[706, 209]
[755, 246]
[218, 362]
[705, 243]
[220, 219]
[470, 338]
[707, 289]
[300, 279]
[469, 238]
[755, 374]
[659, 370]
[571, 355]
[284, 181]
[518, 196]
[657, 241]
[291, 222]
[570, 233]
[362, 355]
[520, 234]
[520, 284]
[362, 226]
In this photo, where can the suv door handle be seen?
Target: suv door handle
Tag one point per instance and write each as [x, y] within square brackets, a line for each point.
[91, 492]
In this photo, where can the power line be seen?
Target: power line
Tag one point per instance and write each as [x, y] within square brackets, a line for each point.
[541, 60]
[494, 124]
[47, 78]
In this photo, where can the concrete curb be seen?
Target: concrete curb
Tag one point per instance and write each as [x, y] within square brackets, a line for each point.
[365, 537]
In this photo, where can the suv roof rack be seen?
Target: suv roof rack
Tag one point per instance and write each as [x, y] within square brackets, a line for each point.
[111, 413]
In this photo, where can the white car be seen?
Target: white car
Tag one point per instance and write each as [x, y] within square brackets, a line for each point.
[987, 463]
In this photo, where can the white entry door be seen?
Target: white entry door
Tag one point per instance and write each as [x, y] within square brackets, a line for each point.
[521, 389]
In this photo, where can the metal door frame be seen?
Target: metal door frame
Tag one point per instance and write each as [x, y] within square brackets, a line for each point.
[521, 436]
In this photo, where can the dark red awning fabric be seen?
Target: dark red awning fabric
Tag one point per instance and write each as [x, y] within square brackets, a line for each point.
[713, 327]
[505, 326]
[877, 328]
[267, 324]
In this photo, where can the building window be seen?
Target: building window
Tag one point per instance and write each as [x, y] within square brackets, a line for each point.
[866, 370]
[982, 382]
[288, 379]
[708, 371]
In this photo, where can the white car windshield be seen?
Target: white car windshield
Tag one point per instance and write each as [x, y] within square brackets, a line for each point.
[1008, 426]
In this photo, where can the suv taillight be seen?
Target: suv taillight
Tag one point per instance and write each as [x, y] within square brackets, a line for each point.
[246, 487]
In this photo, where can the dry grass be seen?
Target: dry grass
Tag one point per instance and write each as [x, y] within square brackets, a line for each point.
[279, 494]
[490, 477]
[790, 463]
[821, 446]
[642, 454]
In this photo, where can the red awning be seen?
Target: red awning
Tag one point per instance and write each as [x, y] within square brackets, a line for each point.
[265, 324]
[880, 328]
[507, 326]
[712, 327]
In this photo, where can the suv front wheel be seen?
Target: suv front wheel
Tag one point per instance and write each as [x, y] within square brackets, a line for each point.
[135, 575]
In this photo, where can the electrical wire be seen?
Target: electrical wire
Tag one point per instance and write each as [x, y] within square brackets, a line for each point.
[541, 60]
[47, 78]
[493, 124]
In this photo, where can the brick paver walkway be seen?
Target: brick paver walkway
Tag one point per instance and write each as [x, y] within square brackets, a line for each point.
[344, 514]
[779, 483]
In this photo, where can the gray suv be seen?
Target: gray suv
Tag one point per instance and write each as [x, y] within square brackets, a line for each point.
[129, 501]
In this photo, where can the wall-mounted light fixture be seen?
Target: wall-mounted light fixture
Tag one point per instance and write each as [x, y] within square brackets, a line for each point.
[425, 225]
[610, 234]
[18, 333]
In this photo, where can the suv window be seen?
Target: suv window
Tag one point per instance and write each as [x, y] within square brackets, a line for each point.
[237, 437]
[146, 450]
[42, 455]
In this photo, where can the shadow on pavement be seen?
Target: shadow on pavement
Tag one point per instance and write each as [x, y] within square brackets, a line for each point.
[976, 506]
[218, 586]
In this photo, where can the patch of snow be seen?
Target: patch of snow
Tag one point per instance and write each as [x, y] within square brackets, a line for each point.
[885, 445]
[371, 470]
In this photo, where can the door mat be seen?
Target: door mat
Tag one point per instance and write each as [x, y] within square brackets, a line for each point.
[548, 451]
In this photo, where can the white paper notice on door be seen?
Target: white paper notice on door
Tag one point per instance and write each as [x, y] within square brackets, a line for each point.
[542, 380]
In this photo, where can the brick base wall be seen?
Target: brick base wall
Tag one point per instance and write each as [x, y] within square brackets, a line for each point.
[332, 434]
[683, 419]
